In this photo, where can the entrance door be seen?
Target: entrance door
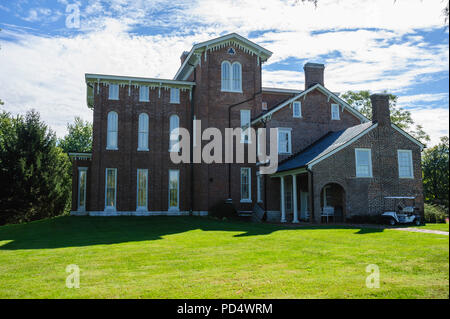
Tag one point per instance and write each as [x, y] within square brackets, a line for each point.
[304, 211]
[174, 189]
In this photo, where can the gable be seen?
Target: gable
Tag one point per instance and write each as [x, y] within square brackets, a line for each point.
[230, 40]
[303, 95]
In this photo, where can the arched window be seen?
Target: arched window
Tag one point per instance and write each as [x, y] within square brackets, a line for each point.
[174, 125]
[237, 77]
[226, 76]
[143, 132]
[111, 138]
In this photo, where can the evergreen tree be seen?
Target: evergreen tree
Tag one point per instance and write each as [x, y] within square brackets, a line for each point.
[34, 172]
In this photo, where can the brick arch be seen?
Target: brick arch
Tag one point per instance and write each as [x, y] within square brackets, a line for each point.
[336, 197]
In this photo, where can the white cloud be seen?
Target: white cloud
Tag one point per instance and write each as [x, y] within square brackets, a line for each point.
[435, 121]
[47, 73]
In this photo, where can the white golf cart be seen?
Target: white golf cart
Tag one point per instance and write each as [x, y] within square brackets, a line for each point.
[402, 214]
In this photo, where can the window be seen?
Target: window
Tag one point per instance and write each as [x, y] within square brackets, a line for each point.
[245, 126]
[297, 109]
[335, 112]
[405, 166]
[284, 141]
[82, 176]
[111, 138]
[174, 95]
[114, 91]
[110, 189]
[174, 134]
[143, 132]
[237, 81]
[264, 106]
[174, 180]
[231, 76]
[246, 184]
[259, 181]
[226, 76]
[143, 93]
[363, 158]
[142, 186]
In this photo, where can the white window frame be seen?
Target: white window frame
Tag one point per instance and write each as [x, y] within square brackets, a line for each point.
[113, 92]
[227, 84]
[143, 131]
[285, 130]
[370, 162]
[145, 207]
[174, 208]
[249, 198]
[409, 152]
[246, 132]
[333, 107]
[80, 171]
[110, 208]
[259, 180]
[144, 93]
[299, 104]
[174, 145]
[264, 105]
[110, 130]
[174, 95]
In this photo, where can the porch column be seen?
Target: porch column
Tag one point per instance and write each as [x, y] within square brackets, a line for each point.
[283, 207]
[294, 196]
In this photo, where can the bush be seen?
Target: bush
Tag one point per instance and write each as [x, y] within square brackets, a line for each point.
[435, 214]
[223, 210]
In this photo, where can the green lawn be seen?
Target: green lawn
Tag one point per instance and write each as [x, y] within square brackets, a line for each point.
[194, 257]
[442, 227]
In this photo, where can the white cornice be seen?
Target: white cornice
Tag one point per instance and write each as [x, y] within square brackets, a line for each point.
[126, 79]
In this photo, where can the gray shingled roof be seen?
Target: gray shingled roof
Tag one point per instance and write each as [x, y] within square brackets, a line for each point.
[322, 147]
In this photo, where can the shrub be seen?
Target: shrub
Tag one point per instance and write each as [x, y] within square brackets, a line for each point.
[435, 214]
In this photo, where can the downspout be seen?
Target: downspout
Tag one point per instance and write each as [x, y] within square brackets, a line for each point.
[229, 200]
[191, 159]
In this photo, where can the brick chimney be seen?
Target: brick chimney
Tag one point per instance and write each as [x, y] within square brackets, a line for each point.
[380, 109]
[183, 56]
[313, 74]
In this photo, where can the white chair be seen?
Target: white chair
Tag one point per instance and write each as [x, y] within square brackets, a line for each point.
[328, 211]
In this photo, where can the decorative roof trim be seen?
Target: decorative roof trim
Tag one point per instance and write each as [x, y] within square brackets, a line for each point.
[126, 80]
[357, 137]
[408, 136]
[325, 91]
[279, 90]
[185, 69]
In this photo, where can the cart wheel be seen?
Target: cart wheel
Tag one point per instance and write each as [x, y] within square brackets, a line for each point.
[392, 222]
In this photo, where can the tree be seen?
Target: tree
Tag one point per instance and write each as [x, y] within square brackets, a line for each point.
[78, 138]
[435, 168]
[360, 100]
[34, 174]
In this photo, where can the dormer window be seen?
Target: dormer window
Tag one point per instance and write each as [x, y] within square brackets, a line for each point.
[231, 77]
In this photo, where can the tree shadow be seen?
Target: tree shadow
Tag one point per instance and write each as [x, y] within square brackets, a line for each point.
[71, 231]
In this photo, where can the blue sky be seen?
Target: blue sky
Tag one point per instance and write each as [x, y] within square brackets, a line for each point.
[399, 46]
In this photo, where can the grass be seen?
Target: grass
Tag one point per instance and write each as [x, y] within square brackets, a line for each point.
[441, 227]
[194, 257]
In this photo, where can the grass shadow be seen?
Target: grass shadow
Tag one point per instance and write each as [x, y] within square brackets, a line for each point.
[71, 231]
